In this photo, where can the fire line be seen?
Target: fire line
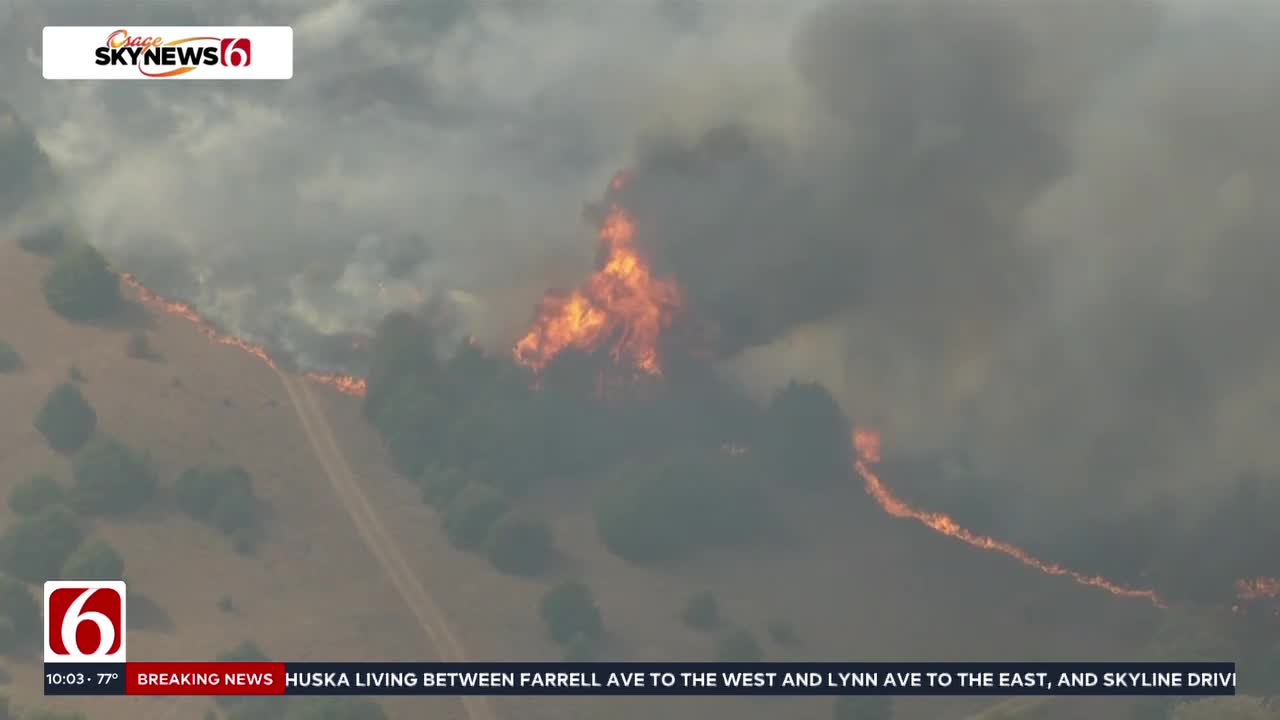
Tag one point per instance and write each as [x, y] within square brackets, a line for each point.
[638, 344]
[867, 444]
[346, 384]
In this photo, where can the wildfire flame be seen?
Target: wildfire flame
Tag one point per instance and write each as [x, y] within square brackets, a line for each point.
[624, 296]
[347, 384]
[867, 444]
[1259, 588]
[622, 301]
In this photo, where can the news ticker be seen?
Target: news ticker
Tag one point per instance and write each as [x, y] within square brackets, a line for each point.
[638, 679]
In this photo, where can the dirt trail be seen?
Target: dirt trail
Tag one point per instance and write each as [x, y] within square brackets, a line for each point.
[375, 535]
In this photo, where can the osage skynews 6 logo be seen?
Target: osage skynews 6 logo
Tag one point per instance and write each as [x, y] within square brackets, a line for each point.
[159, 58]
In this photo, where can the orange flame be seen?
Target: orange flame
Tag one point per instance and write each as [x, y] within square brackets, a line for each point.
[347, 384]
[622, 301]
[867, 444]
[1259, 588]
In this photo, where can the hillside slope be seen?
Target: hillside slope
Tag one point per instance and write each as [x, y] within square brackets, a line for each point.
[855, 583]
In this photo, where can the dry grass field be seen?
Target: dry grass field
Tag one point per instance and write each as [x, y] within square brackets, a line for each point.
[856, 584]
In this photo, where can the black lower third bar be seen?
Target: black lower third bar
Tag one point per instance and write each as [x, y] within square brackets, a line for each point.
[84, 679]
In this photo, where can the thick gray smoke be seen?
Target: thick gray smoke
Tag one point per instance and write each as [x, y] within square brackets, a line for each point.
[1040, 233]
[436, 151]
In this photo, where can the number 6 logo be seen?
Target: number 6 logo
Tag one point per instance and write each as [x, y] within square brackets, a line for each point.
[84, 621]
[235, 52]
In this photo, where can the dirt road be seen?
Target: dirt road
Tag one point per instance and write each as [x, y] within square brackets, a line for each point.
[375, 535]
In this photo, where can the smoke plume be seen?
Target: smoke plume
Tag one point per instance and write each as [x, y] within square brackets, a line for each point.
[1040, 234]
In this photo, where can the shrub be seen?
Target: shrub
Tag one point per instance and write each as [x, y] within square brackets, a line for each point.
[10, 360]
[111, 478]
[34, 494]
[221, 496]
[36, 548]
[199, 489]
[20, 613]
[863, 707]
[95, 560]
[739, 646]
[570, 612]
[702, 611]
[138, 346]
[247, 651]
[581, 648]
[226, 604]
[44, 240]
[81, 287]
[521, 545]
[67, 420]
[472, 515]
[441, 485]
[662, 511]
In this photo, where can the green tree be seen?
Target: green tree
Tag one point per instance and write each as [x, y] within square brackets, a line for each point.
[35, 548]
[334, 708]
[67, 420]
[28, 174]
[34, 494]
[440, 485]
[664, 510]
[248, 708]
[702, 611]
[95, 560]
[407, 418]
[739, 645]
[247, 651]
[19, 615]
[403, 346]
[45, 240]
[81, 286]
[221, 496]
[569, 611]
[521, 545]
[111, 478]
[863, 707]
[805, 437]
[472, 515]
[10, 360]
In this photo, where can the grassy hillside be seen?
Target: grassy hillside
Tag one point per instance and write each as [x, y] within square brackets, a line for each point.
[853, 583]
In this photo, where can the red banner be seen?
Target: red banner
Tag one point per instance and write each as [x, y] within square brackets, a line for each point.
[204, 678]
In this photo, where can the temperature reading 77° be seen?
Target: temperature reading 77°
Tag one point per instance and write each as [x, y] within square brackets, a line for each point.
[106, 678]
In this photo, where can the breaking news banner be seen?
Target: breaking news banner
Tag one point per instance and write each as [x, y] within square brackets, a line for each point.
[124, 52]
[84, 654]
[637, 679]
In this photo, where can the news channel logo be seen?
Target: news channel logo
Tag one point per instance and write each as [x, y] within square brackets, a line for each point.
[84, 621]
[122, 52]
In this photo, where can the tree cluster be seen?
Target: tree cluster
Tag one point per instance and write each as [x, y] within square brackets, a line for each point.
[677, 464]
[81, 285]
[222, 497]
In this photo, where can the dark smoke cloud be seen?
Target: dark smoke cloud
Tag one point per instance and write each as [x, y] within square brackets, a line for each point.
[1042, 234]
